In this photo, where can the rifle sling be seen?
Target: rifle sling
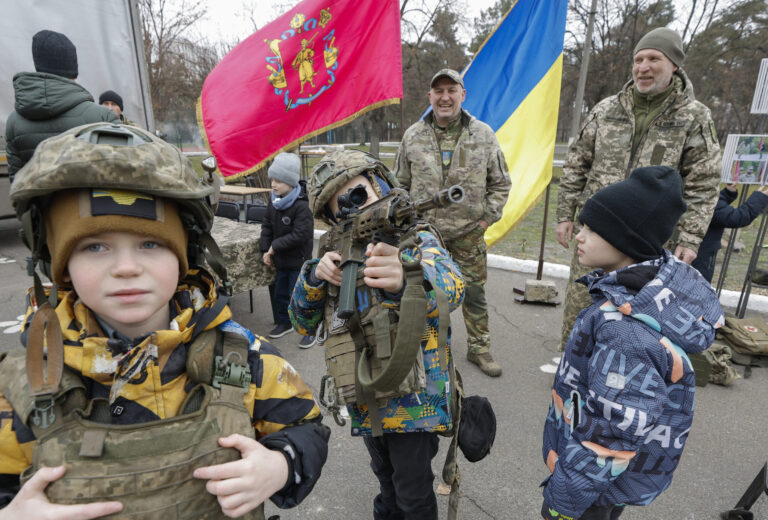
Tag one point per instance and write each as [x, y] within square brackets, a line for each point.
[410, 330]
[363, 394]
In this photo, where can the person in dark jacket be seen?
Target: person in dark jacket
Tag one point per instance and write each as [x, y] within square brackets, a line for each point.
[726, 216]
[114, 101]
[48, 101]
[286, 236]
[623, 397]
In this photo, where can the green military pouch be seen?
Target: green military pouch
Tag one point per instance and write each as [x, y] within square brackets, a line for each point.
[341, 361]
[746, 335]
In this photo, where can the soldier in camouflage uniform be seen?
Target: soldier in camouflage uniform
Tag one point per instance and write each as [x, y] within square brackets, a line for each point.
[653, 120]
[448, 147]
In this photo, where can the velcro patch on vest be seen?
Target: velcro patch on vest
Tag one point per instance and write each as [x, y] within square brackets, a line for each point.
[124, 203]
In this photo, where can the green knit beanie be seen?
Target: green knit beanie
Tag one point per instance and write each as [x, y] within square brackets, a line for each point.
[666, 41]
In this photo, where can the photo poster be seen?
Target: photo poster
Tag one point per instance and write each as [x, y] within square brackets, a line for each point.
[745, 159]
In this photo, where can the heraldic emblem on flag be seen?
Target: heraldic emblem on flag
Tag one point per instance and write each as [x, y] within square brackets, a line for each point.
[316, 67]
[303, 61]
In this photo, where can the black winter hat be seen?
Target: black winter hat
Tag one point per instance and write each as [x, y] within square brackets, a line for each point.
[54, 53]
[111, 95]
[477, 428]
[637, 215]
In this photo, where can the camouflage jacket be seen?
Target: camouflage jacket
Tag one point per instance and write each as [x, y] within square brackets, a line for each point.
[478, 166]
[681, 137]
[283, 412]
[425, 411]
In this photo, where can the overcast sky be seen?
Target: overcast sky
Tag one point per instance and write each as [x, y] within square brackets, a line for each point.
[229, 20]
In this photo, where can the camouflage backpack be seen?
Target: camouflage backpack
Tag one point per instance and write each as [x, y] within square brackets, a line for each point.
[718, 356]
[147, 466]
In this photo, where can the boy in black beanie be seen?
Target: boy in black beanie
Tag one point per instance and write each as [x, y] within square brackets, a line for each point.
[622, 401]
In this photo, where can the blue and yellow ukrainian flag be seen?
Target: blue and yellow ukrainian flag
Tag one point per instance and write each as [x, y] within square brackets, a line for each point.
[513, 84]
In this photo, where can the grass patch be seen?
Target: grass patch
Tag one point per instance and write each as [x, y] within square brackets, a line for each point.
[525, 241]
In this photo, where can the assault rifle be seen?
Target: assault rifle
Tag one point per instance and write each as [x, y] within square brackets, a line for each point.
[386, 220]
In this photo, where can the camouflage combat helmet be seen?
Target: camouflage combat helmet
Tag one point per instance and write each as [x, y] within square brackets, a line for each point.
[116, 157]
[335, 169]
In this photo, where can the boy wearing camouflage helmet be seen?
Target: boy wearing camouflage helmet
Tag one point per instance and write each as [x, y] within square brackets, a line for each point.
[152, 401]
[400, 428]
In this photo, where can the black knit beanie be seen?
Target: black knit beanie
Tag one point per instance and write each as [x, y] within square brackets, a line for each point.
[111, 95]
[637, 215]
[53, 53]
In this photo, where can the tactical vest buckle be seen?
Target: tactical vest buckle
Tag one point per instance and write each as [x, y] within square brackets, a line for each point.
[327, 399]
[229, 373]
[43, 415]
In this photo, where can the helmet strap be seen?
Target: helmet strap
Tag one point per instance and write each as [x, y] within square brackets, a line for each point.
[34, 238]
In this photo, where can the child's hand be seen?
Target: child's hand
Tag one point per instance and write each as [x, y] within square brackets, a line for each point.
[763, 189]
[242, 485]
[31, 502]
[383, 269]
[327, 268]
[267, 257]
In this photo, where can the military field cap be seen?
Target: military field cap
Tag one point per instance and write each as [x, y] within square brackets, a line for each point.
[77, 214]
[54, 53]
[664, 40]
[447, 73]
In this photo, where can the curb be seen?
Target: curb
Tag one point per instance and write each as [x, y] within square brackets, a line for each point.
[756, 302]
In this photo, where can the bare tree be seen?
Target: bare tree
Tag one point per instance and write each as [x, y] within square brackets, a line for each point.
[167, 48]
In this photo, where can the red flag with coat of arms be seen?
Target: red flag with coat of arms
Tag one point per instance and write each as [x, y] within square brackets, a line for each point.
[314, 68]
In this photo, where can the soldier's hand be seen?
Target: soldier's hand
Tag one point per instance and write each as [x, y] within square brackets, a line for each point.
[383, 269]
[242, 485]
[565, 233]
[328, 268]
[484, 224]
[685, 254]
[31, 502]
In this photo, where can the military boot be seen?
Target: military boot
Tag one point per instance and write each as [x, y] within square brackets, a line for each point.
[760, 276]
[485, 361]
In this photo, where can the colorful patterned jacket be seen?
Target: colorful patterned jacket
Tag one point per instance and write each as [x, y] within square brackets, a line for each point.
[681, 137]
[282, 409]
[429, 410]
[622, 401]
[478, 166]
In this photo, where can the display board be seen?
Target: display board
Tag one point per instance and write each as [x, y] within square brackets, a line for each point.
[744, 159]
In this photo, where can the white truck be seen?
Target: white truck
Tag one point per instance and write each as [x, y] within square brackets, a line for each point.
[110, 56]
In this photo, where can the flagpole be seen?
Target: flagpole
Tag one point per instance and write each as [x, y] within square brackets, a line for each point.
[540, 269]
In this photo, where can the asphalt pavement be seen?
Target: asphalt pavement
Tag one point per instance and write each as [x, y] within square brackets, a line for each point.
[726, 447]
